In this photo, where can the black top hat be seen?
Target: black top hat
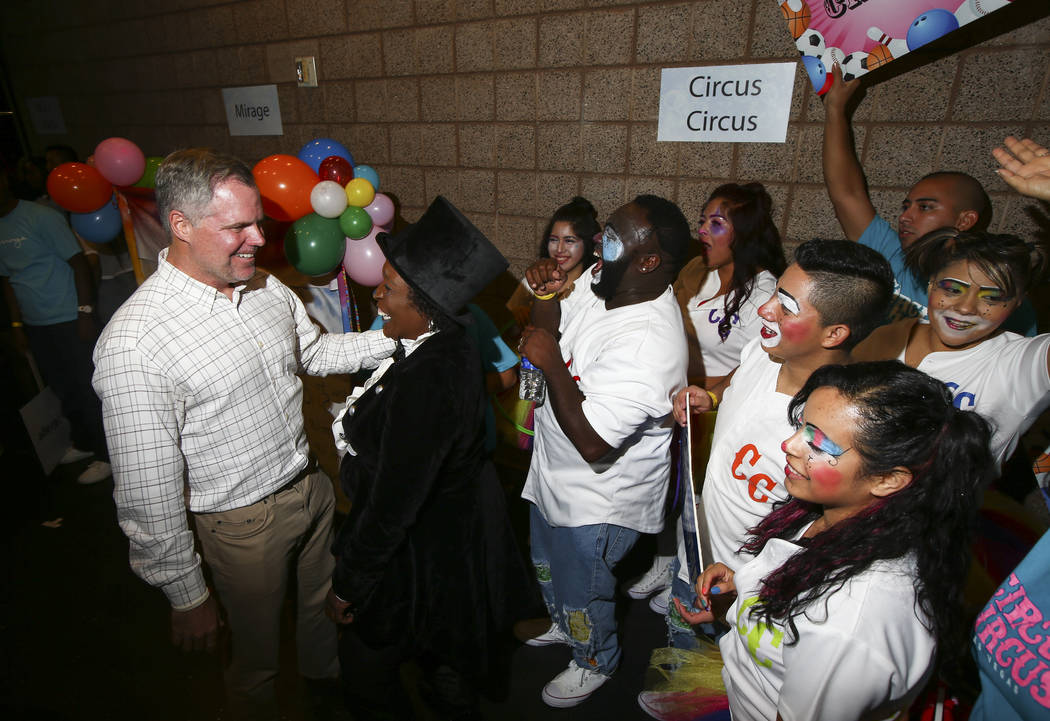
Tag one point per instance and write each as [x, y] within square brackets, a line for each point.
[443, 256]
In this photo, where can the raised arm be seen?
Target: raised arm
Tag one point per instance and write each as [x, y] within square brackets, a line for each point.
[843, 175]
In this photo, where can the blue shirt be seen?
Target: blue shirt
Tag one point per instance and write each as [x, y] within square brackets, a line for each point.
[910, 298]
[496, 357]
[1011, 644]
[35, 247]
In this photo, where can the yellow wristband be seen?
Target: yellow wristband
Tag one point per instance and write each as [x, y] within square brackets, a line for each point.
[16, 324]
[713, 397]
[545, 297]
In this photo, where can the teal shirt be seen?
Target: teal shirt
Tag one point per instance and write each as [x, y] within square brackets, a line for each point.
[35, 247]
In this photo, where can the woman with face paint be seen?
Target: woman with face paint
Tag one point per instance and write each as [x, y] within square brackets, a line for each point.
[569, 239]
[856, 585]
[976, 280]
[743, 257]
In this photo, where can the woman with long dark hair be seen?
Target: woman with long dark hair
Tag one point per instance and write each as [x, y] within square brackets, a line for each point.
[856, 583]
[569, 239]
[744, 257]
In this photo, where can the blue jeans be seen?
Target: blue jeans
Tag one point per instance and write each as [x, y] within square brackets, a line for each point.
[575, 569]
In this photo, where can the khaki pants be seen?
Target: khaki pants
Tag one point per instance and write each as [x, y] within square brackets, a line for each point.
[251, 551]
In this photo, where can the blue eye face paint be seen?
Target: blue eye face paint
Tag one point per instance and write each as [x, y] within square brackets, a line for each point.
[612, 246]
[820, 442]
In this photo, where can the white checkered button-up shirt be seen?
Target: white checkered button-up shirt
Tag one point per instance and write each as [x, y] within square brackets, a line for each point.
[202, 392]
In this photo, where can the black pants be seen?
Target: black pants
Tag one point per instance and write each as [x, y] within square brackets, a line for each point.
[65, 364]
[374, 692]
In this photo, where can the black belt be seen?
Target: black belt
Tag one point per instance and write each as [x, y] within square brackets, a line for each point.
[310, 468]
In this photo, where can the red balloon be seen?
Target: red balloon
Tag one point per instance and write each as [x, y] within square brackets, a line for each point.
[336, 168]
[285, 183]
[78, 188]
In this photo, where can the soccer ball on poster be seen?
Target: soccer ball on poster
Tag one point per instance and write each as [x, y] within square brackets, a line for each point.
[862, 35]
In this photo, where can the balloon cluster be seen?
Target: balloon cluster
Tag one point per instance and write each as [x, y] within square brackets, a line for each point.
[86, 189]
[334, 207]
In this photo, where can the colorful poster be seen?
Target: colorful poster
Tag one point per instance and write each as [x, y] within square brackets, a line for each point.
[861, 35]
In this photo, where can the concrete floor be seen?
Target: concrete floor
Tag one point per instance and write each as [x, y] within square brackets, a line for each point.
[83, 638]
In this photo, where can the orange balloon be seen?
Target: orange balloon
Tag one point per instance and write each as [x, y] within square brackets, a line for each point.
[78, 188]
[285, 183]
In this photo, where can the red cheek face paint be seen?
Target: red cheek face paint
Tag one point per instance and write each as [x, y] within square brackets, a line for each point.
[825, 477]
[793, 330]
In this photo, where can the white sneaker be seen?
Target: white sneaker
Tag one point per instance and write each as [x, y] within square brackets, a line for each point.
[572, 686]
[95, 472]
[74, 454]
[552, 636]
[656, 579]
[660, 602]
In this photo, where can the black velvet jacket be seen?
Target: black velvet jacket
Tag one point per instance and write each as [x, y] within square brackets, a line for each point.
[425, 553]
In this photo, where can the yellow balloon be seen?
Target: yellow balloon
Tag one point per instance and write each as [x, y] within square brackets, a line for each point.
[359, 192]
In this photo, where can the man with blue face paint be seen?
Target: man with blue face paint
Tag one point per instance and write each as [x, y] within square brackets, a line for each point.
[601, 462]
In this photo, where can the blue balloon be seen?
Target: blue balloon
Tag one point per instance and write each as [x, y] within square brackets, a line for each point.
[929, 26]
[101, 226]
[368, 173]
[320, 148]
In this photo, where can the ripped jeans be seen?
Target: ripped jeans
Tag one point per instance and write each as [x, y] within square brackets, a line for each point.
[575, 569]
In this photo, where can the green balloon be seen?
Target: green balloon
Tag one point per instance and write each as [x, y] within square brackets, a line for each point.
[314, 245]
[149, 177]
[355, 222]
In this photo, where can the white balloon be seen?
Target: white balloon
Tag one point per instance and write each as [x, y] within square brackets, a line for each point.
[328, 199]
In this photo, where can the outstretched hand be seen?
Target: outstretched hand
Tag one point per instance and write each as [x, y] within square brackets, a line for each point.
[1026, 167]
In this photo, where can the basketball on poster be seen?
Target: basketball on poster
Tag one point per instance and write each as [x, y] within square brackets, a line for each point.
[862, 35]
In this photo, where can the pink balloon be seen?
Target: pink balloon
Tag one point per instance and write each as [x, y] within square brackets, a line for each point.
[120, 161]
[363, 260]
[381, 209]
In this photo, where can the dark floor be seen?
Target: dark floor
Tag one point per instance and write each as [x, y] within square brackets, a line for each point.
[83, 638]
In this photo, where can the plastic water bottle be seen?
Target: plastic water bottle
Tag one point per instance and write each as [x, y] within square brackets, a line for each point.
[533, 386]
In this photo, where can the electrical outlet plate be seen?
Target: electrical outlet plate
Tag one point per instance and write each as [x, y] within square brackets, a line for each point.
[306, 71]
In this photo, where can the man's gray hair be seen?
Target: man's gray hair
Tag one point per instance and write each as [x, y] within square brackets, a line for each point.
[186, 181]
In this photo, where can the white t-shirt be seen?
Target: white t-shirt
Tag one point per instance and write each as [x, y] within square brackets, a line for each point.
[1004, 379]
[706, 311]
[745, 472]
[867, 656]
[627, 363]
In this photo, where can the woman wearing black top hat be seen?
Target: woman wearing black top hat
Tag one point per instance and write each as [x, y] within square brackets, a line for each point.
[426, 559]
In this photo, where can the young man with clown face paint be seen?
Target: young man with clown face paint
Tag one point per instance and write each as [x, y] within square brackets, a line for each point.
[827, 301]
[601, 463]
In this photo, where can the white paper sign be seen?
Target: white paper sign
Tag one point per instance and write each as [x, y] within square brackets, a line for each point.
[726, 104]
[253, 110]
[46, 115]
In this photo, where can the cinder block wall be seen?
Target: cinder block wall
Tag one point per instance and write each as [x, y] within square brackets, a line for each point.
[510, 107]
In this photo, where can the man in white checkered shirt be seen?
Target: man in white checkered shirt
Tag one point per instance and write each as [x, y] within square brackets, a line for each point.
[202, 407]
